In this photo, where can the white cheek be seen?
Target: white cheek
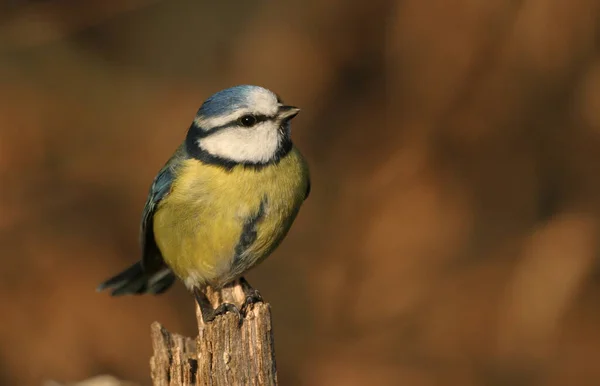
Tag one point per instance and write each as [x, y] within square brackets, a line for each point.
[258, 144]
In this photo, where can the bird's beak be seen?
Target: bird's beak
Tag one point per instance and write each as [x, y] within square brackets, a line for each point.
[285, 113]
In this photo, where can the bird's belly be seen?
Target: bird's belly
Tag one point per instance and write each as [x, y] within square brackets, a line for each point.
[203, 228]
[197, 240]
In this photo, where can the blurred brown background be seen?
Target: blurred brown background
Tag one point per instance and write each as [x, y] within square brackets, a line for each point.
[451, 233]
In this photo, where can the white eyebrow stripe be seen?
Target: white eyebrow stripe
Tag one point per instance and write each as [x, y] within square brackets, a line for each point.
[212, 122]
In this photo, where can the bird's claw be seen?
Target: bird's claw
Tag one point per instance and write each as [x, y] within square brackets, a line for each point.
[208, 313]
[224, 308]
[252, 296]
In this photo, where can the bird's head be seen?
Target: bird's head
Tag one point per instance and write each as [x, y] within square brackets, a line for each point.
[241, 125]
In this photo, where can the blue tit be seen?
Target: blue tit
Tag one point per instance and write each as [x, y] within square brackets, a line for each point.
[223, 202]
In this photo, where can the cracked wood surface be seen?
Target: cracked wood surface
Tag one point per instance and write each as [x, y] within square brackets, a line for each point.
[223, 353]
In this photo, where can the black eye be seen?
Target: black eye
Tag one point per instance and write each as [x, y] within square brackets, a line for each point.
[247, 120]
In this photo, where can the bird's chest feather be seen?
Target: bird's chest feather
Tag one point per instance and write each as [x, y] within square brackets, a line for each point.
[217, 223]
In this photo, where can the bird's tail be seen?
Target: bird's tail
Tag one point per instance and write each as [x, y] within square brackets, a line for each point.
[136, 281]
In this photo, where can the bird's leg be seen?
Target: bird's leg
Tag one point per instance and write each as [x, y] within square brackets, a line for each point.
[251, 295]
[208, 312]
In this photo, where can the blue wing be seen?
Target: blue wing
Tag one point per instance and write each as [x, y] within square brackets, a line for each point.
[151, 274]
[161, 186]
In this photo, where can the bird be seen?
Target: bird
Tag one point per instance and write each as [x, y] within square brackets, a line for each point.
[222, 203]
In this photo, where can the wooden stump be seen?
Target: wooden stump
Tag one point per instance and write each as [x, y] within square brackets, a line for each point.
[224, 353]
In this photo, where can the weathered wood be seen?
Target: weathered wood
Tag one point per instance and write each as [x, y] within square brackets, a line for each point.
[224, 353]
[174, 361]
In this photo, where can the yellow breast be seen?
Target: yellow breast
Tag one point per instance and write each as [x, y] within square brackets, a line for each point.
[199, 224]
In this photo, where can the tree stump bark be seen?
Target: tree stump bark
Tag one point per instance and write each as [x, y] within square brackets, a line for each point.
[223, 353]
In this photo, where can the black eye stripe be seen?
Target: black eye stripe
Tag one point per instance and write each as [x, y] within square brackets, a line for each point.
[201, 133]
[258, 118]
[263, 118]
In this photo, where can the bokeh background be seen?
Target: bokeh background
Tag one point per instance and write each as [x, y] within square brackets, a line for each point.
[451, 236]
